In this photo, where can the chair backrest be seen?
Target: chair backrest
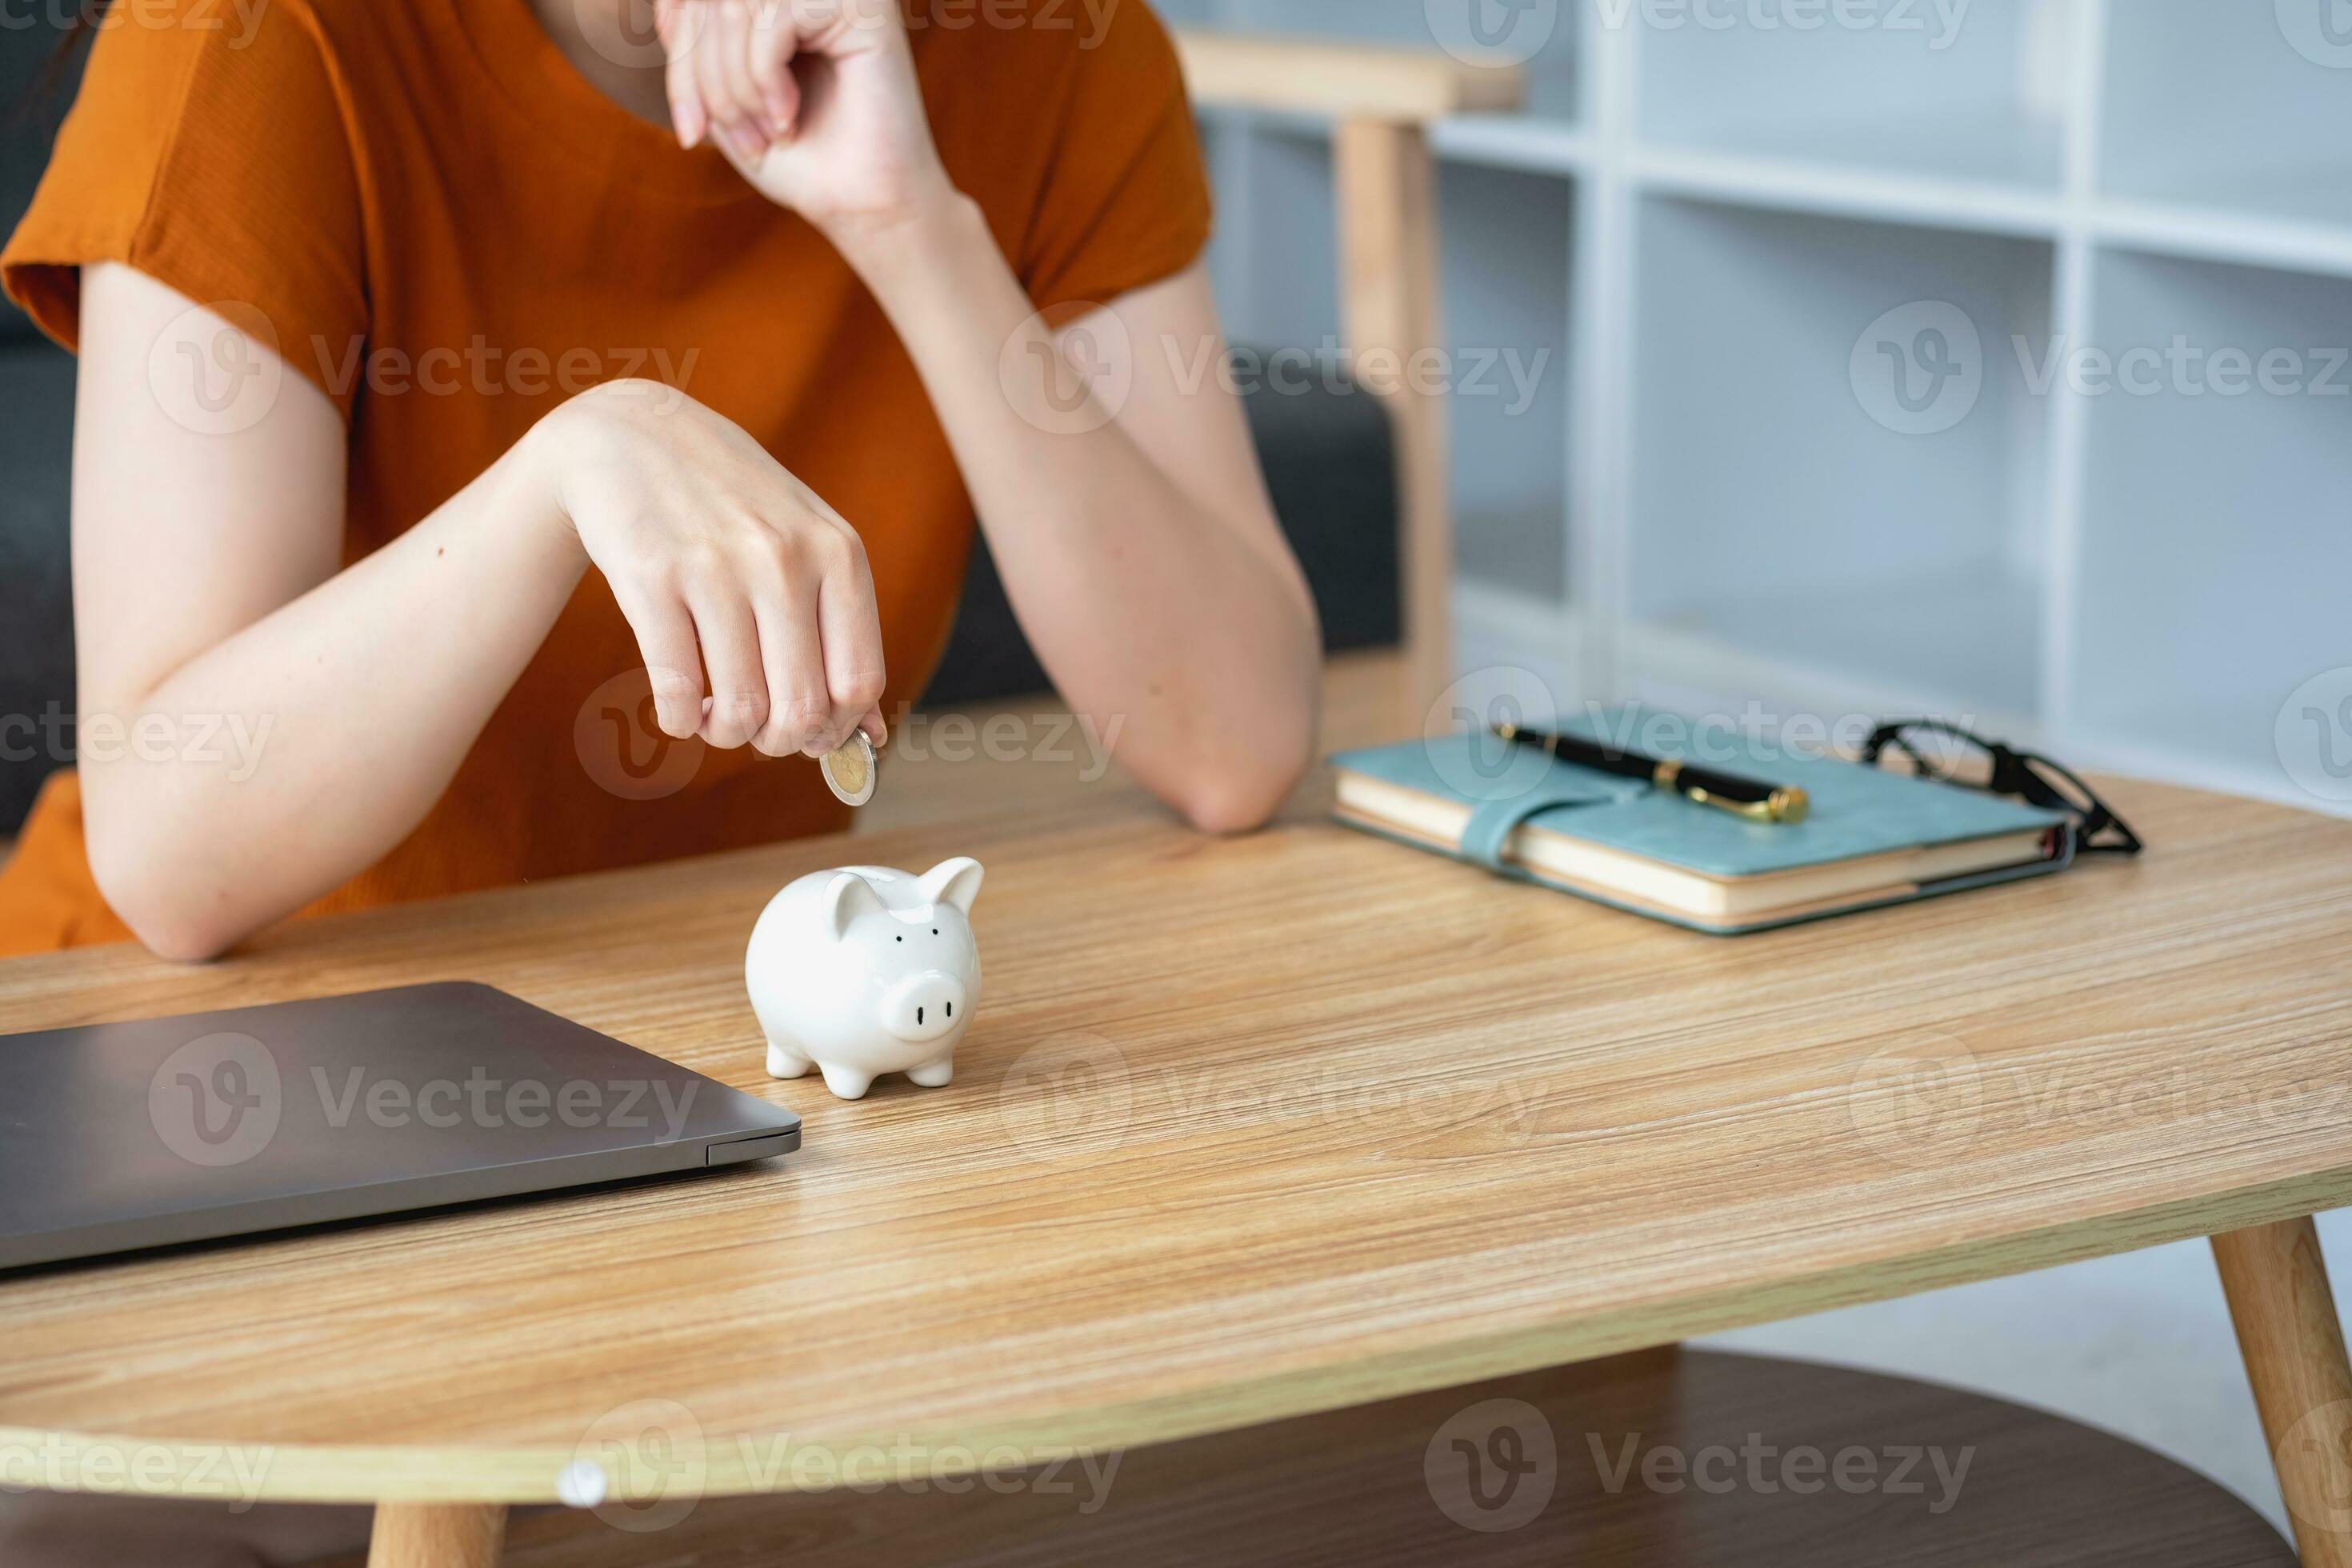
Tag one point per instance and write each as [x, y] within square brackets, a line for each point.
[1382, 101]
[36, 387]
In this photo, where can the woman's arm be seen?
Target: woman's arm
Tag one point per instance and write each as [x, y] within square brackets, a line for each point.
[208, 601]
[1140, 552]
[1137, 543]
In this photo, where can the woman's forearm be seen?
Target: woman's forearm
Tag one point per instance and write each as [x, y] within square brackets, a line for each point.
[357, 700]
[1143, 603]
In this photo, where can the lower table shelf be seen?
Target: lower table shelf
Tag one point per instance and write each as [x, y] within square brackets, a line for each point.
[1667, 1459]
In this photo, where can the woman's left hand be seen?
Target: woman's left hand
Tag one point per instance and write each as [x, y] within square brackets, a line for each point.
[814, 100]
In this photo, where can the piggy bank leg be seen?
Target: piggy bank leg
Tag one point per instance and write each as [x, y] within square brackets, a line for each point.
[934, 1075]
[785, 1062]
[847, 1082]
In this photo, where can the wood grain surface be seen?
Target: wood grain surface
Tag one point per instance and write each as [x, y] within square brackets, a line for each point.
[1243, 1131]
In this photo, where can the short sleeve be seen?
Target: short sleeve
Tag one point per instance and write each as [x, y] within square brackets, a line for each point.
[1126, 198]
[211, 152]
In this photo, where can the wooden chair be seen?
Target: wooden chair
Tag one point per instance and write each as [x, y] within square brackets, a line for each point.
[1383, 101]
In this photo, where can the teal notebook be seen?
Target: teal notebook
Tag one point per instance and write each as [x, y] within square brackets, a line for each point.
[1873, 838]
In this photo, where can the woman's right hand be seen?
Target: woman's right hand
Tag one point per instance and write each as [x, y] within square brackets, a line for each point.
[726, 565]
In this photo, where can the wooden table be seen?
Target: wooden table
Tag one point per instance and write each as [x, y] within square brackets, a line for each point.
[1244, 1131]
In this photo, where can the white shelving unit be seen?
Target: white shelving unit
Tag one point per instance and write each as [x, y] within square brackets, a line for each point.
[1724, 239]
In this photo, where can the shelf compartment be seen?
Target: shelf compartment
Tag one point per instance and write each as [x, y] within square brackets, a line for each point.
[2229, 104]
[1794, 531]
[1975, 98]
[1507, 240]
[2215, 549]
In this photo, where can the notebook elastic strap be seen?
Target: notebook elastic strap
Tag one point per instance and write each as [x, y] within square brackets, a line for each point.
[1493, 822]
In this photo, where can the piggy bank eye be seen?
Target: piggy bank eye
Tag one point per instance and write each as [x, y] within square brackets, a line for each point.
[901, 939]
[935, 930]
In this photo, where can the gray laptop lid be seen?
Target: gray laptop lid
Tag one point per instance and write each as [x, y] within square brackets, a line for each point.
[119, 1136]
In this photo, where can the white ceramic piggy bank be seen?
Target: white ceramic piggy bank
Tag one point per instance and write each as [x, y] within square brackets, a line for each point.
[864, 971]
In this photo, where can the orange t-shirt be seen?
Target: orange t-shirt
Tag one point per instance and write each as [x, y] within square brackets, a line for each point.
[450, 230]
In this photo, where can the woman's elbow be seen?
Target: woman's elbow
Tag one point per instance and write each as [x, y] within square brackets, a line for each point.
[164, 912]
[1231, 800]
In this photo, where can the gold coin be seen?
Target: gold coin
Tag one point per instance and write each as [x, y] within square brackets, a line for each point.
[849, 773]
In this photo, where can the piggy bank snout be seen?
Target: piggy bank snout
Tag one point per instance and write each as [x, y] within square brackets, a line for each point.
[925, 1005]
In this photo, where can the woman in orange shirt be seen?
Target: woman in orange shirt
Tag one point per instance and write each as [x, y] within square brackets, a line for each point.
[459, 377]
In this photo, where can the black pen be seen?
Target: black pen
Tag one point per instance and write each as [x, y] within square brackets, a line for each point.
[1727, 792]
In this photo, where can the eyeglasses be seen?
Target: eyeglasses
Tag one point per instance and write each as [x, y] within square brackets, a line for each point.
[2034, 779]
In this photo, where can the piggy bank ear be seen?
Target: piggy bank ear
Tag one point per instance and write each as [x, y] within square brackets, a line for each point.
[955, 882]
[847, 897]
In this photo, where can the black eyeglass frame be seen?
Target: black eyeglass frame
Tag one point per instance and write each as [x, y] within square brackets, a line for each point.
[2017, 774]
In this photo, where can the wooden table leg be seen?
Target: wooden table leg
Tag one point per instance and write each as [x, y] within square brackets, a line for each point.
[2294, 1347]
[437, 1535]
